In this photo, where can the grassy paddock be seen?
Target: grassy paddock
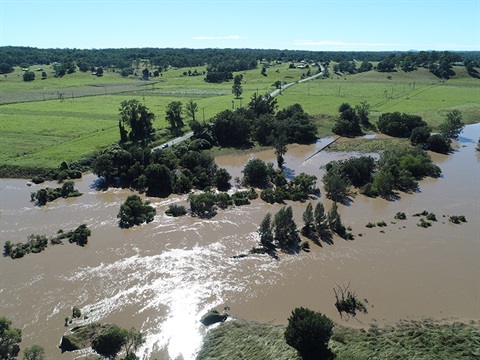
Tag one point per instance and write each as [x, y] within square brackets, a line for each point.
[422, 340]
[418, 92]
[45, 133]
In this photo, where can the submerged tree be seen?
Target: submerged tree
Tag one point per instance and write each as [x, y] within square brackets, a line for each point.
[308, 220]
[34, 352]
[320, 218]
[265, 231]
[347, 301]
[286, 232]
[135, 212]
[9, 339]
[453, 124]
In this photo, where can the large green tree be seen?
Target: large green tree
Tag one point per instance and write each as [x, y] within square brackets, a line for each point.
[256, 173]
[191, 108]
[135, 212]
[308, 332]
[138, 118]
[173, 114]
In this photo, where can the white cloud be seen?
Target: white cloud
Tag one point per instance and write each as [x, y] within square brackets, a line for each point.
[229, 37]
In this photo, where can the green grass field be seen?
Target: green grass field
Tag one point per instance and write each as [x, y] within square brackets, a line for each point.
[82, 116]
[418, 92]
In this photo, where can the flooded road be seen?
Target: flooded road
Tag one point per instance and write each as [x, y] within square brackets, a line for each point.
[163, 276]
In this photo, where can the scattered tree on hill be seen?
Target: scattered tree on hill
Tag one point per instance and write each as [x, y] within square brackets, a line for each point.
[138, 118]
[453, 124]
[6, 68]
[135, 212]
[28, 76]
[10, 339]
[365, 66]
[309, 332]
[277, 84]
[237, 89]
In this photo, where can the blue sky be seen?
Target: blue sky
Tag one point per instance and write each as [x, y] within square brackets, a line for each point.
[295, 25]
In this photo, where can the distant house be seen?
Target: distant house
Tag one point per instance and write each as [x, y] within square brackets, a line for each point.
[25, 69]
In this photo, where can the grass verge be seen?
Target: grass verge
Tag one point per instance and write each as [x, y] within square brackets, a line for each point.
[421, 340]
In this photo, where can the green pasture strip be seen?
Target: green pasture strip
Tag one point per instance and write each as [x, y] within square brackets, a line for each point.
[52, 154]
[13, 82]
[420, 340]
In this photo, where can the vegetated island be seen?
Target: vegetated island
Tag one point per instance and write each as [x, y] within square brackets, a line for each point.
[38, 243]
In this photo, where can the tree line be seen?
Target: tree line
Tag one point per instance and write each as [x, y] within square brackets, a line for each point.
[219, 59]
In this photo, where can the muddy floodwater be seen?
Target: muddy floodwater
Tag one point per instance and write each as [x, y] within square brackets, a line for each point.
[163, 276]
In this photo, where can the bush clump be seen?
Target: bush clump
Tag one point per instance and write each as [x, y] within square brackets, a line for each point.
[176, 210]
[457, 219]
[135, 212]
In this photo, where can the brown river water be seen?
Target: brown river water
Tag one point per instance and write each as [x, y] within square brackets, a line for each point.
[163, 276]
